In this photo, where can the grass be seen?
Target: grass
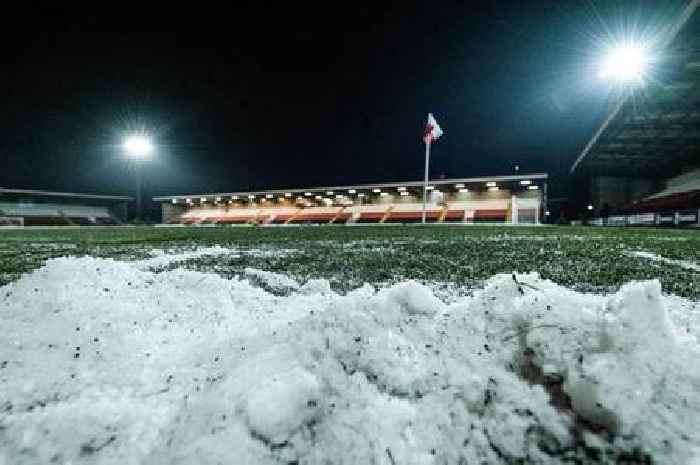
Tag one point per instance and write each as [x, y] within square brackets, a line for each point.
[588, 259]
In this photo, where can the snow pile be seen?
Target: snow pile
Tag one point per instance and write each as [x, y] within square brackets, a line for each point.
[104, 362]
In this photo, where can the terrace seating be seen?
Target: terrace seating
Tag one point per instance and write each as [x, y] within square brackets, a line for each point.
[412, 217]
[490, 216]
[488, 210]
[58, 214]
[317, 215]
[676, 201]
[454, 215]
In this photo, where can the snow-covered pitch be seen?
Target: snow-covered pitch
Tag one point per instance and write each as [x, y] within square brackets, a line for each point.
[105, 361]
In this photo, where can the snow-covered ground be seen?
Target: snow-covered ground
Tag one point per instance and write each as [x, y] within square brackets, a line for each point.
[109, 362]
[688, 265]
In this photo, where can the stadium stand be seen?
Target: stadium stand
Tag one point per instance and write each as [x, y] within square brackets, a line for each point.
[501, 199]
[643, 160]
[23, 207]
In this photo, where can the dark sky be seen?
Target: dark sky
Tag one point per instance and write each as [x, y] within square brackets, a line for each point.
[264, 96]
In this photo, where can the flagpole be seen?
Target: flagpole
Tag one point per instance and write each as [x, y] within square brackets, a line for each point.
[425, 182]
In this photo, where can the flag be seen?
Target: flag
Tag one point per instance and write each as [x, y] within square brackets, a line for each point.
[432, 130]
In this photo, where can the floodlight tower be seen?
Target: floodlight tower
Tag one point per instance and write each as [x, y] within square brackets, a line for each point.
[625, 67]
[138, 148]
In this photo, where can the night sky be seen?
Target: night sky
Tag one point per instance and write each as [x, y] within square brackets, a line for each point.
[264, 96]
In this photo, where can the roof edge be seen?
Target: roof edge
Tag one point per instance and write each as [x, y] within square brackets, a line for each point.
[65, 194]
[506, 178]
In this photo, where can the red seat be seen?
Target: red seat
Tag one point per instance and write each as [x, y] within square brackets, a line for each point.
[490, 215]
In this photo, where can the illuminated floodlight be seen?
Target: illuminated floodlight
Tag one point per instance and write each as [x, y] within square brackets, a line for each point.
[625, 63]
[533, 187]
[138, 146]
[234, 197]
[308, 194]
[401, 188]
[377, 191]
[329, 193]
[384, 194]
[493, 189]
[218, 199]
[251, 196]
[546, 213]
[360, 195]
[203, 199]
[590, 207]
[230, 202]
[463, 191]
[405, 193]
[351, 191]
[525, 182]
[430, 188]
[269, 196]
[174, 200]
[318, 197]
[491, 184]
[287, 194]
[339, 196]
[188, 200]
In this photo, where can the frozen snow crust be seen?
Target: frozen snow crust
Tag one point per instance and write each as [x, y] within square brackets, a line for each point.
[104, 362]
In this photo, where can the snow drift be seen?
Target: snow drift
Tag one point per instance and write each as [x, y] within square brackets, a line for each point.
[104, 362]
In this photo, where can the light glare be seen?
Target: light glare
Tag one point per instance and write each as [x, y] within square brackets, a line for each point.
[138, 146]
[625, 63]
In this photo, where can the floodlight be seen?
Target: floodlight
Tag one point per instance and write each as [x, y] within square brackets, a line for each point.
[287, 194]
[491, 184]
[138, 146]
[203, 199]
[269, 196]
[405, 193]
[590, 207]
[376, 191]
[384, 194]
[351, 191]
[625, 63]
[533, 187]
[174, 200]
[525, 182]
[459, 186]
[401, 188]
[493, 188]
[463, 191]
[429, 188]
